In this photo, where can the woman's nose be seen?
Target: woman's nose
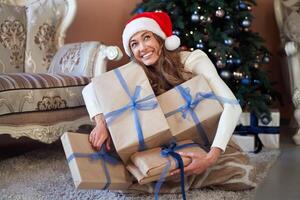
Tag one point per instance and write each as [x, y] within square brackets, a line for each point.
[142, 46]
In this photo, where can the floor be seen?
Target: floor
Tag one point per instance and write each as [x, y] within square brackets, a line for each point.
[282, 182]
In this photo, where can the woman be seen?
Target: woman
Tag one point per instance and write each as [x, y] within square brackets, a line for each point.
[148, 40]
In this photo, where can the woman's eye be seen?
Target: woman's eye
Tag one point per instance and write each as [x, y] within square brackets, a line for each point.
[147, 37]
[133, 45]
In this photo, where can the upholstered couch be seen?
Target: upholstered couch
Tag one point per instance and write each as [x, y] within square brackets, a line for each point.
[41, 79]
[287, 13]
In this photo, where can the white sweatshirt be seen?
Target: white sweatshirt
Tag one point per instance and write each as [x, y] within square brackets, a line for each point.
[196, 62]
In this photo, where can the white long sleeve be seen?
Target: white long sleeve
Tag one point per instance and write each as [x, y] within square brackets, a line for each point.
[92, 105]
[198, 63]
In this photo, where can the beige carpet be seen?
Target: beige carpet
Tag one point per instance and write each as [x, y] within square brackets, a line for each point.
[44, 175]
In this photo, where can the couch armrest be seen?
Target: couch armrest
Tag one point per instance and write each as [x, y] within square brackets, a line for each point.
[84, 59]
[105, 52]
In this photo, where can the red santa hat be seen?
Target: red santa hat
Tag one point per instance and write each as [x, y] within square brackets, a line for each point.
[156, 22]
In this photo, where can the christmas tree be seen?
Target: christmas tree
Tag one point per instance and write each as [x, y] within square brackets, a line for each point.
[221, 28]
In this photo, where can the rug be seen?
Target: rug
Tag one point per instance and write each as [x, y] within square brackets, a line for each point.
[43, 174]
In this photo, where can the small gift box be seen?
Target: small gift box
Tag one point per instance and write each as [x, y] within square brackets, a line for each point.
[257, 133]
[192, 110]
[134, 118]
[147, 166]
[91, 169]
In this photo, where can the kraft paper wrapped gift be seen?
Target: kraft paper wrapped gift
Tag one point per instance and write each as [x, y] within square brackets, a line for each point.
[200, 120]
[120, 91]
[89, 173]
[147, 166]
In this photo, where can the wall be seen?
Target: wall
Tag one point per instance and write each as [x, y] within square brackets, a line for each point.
[103, 20]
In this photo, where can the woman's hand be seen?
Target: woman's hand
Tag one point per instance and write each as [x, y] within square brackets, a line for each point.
[100, 134]
[200, 162]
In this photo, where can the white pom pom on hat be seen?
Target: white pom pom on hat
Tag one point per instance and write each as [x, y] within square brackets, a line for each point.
[156, 22]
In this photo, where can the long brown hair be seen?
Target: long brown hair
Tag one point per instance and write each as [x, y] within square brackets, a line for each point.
[168, 72]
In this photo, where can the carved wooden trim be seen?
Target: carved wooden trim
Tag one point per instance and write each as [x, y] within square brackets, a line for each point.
[67, 21]
[45, 134]
[104, 53]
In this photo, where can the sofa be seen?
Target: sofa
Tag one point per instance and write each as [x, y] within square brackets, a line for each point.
[41, 78]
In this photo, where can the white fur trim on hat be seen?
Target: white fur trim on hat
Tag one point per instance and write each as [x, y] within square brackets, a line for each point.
[172, 42]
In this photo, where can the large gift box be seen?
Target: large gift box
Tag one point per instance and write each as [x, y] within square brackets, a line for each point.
[134, 118]
[147, 166]
[192, 110]
[251, 133]
[91, 169]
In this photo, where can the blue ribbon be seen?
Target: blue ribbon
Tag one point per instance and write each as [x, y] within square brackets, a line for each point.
[191, 104]
[142, 104]
[171, 151]
[101, 155]
[254, 129]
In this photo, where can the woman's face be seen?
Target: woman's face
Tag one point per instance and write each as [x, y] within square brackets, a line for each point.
[145, 47]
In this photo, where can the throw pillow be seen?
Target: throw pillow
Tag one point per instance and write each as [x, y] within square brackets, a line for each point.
[75, 59]
[43, 20]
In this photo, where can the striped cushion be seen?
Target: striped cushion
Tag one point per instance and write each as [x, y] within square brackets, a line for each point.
[16, 81]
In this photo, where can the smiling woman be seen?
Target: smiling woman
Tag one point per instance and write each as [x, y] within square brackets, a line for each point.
[148, 40]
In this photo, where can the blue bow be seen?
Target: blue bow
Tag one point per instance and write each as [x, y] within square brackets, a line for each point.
[171, 151]
[100, 155]
[254, 129]
[134, 105]
[191, 104]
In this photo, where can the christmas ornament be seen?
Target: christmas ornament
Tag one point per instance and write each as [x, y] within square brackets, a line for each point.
[209, 20]
[246, 29]
[245, 81]
[220, 64]
[176, 32]
[140, 10]
[238, 75]
[256, 65]
[256, 81]
[227, 17]
[237, 61]
[269, 99]
[217, 54]
[225, 74]
[202, 19]
[265, 119]
[246, 23]
[195, 17]
[220, 12]
[228, 42]
[229, 61]
[242, 6]
[200, 46]
[266, 59]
